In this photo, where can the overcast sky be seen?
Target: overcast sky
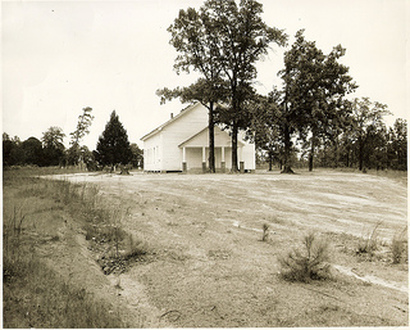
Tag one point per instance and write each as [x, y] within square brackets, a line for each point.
[59, 57]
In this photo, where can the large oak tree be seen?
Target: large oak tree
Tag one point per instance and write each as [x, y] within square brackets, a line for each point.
[314, 86]
[198, 46]
[244, 38]
[223, 41]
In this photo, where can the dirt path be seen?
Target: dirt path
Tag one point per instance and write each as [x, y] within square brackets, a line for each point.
[372, 279]
[212, 270]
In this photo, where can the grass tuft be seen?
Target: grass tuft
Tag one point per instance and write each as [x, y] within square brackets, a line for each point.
[399, 246]
[370, 244]
[265, 232]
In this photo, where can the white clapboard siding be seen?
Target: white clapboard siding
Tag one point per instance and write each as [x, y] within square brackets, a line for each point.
[163, 147]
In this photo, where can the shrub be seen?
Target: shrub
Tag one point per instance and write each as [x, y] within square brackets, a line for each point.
[309, 264]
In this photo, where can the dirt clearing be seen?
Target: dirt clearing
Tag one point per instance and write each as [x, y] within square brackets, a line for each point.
[208, 267]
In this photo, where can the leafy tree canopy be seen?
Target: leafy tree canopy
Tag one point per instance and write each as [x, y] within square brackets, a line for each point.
[53, 138]
[314, 86]
[53, 147]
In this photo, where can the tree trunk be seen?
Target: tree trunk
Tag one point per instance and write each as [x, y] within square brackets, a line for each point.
[347, 157]
[286, 160]
[311, 154]
[313, 141]
[360, 154]
[310, 161]
[211, 126]
[337, 154]
[270, 161]
[235, 147]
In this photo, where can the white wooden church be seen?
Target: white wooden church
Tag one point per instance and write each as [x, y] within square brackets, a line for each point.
[182, 144]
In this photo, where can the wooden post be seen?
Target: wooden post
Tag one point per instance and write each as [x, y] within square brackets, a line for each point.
[242, 166]
[223, 159]
[203, 159]
[241, 162]
[184, 164]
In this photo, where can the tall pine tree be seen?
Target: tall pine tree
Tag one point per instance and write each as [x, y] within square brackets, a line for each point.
[113, 147]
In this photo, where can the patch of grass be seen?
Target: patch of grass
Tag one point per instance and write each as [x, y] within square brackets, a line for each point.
[219, 254]
[35, 297]
[279, 221]
[101, 222]
[30, 171]
[311, 263]
[399, 176]
[13, 224]
[102, 232]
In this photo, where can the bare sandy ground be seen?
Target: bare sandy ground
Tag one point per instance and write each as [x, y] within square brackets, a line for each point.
[327, 200]
[211, 268]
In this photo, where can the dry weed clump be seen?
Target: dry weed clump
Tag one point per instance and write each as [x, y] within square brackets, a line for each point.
[134, 247]
[312, 263]
[117, 258]
[370, 244]
[265, 232]
[399, 247]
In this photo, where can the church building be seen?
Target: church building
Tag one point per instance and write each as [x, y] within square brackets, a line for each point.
[182, 145]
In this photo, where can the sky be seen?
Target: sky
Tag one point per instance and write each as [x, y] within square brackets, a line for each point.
[59, 57]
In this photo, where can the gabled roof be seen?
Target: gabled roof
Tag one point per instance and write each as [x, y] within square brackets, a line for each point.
[217, 138]
[169, 122]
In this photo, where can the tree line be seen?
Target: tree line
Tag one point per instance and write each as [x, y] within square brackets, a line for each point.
[113, 147]
[308, 120]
